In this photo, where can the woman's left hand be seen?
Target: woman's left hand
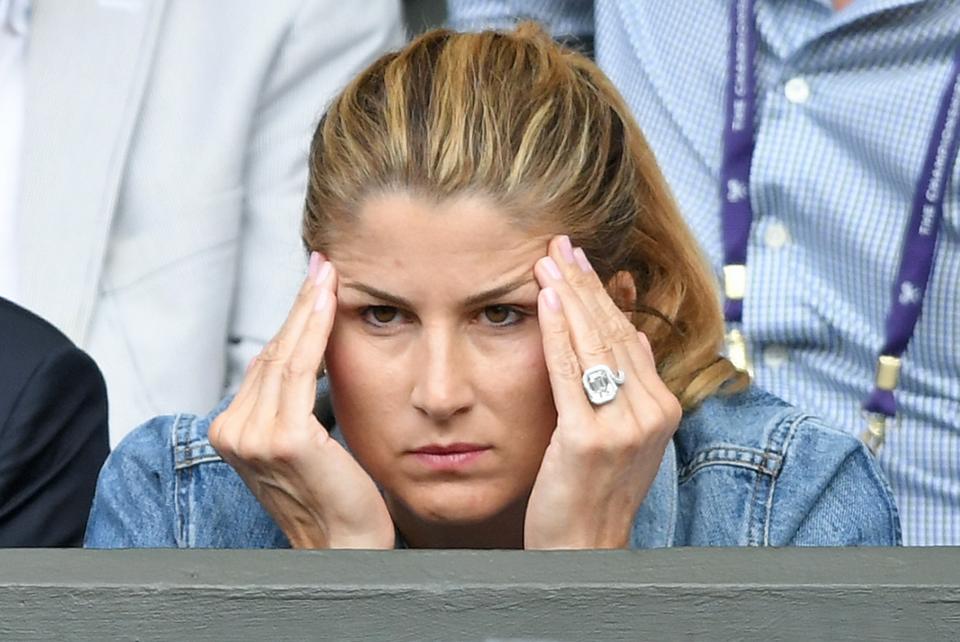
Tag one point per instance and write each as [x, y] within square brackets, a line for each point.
[601, 459]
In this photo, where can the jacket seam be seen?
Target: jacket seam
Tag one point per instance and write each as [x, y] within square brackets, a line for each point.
[177, 486]
[764, 462]
[761, 504]
[196, 452]
[190, 449]
[203, 459]
[768, 513]
[883, 488]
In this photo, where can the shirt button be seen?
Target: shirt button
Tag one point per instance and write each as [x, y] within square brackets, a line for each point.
[797, 90]
[776, 235]
[775, 356]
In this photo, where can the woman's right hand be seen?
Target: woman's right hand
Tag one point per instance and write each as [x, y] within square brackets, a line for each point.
[313, 488]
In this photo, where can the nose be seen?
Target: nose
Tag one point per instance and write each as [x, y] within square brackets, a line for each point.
[442, 387]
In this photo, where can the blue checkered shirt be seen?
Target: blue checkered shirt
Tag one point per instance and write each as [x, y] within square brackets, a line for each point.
[846, 104]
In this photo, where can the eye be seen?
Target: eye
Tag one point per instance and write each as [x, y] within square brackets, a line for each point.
[501, 315]
[380, 315]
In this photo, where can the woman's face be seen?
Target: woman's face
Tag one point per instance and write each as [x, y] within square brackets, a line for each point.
[435, 360]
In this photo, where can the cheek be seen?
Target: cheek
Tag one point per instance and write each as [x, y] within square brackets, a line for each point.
[517, 384]
[359, 372]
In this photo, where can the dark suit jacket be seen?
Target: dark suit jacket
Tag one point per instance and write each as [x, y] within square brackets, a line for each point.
[53, 432]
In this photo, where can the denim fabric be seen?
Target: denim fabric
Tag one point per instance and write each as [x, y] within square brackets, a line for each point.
[743, 470]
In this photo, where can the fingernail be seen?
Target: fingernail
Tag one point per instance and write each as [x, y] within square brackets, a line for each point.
[314, 263]
[581, 259]
[321, 303]
[552, 268]
[566, 249]
[553, 301]
[323, 272]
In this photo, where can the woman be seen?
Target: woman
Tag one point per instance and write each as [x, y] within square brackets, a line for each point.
[481, 208]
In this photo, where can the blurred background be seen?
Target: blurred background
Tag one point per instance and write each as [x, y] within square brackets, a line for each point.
[424, 14]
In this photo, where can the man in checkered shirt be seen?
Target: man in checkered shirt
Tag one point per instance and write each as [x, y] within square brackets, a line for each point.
[847, 95]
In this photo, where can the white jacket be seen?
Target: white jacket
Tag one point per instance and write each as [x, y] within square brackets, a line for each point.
[164, 166]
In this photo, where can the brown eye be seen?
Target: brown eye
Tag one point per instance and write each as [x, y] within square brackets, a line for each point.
[500, 314]
[382, 314]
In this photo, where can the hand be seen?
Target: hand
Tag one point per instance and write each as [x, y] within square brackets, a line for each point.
[601, 460]
[314, 489]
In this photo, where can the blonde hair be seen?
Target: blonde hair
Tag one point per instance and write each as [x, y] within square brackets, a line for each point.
[541, 132]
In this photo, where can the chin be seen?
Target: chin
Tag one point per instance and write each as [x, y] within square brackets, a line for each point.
[452, 503]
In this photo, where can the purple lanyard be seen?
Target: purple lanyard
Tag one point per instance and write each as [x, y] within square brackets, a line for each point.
[919, 243]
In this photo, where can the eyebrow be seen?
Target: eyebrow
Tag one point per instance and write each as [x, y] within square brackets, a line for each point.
[471, 301]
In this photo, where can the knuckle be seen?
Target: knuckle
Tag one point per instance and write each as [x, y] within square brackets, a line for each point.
[595, 344]
[621, 331]
[556, 333]
[565, 365]
[674, 411]
[304, 296]
[295, 368]
[274, 351]
[661, 420]
[630, 441]
[580, 279]
[284, 447]
[218, 432]
[654, 419]
[248, 451]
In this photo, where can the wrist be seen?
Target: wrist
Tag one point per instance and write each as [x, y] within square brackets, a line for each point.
[364, 542]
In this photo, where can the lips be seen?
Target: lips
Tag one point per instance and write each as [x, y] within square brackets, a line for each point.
[450, 449]
[449, 456]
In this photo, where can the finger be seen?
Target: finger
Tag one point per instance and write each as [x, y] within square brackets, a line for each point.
[261, 386]
[298, 396]
[563, 366]
[227, 433]
[249, 378]
[314, 265]
[282, 343]
[275, 370]
[590, 343]
[650, 402]
[219, 433]
[615, 327]
[641, 354]
[582, 278]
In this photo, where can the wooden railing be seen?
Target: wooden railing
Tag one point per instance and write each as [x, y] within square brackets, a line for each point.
[690, 594]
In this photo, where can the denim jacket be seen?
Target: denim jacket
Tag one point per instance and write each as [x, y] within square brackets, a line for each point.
[743, 470]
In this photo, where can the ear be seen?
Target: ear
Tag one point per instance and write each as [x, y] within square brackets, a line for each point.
[623, 290]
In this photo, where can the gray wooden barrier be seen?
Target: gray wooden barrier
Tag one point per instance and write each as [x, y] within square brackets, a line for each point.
[720, 594]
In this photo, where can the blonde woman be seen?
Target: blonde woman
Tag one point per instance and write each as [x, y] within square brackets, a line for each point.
[520, 344]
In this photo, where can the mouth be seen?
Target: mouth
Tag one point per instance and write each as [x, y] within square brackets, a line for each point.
[450, 456]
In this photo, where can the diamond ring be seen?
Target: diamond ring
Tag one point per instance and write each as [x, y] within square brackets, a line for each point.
[601, 384]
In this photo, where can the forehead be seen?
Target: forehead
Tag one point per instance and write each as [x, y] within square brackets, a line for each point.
[461, 241]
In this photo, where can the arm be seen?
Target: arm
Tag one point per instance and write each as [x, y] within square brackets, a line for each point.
[53, 444]
[839, 495]
[327, 44]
